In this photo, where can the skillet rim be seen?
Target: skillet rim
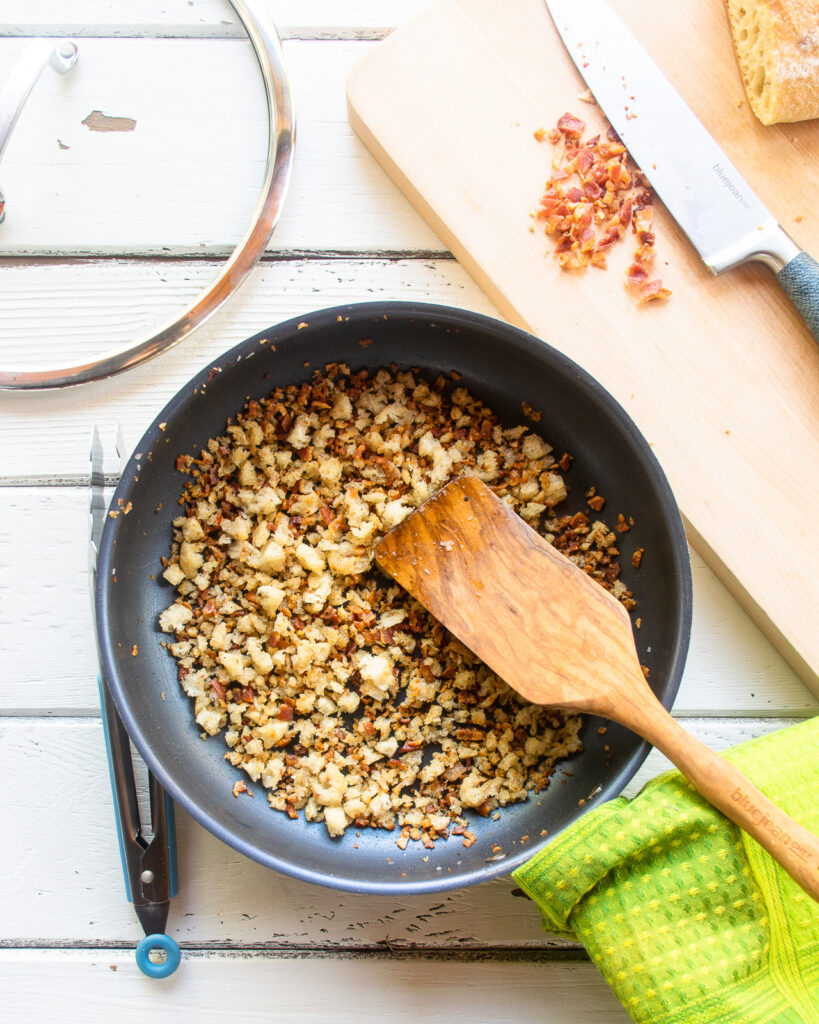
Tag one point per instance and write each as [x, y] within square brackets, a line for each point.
[447, 317]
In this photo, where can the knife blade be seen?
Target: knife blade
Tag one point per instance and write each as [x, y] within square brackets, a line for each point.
[705, 193]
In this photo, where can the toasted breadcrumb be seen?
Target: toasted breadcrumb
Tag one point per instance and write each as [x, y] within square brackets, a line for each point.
[332, 686]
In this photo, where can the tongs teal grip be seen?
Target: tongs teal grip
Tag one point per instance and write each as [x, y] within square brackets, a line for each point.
[149, 865]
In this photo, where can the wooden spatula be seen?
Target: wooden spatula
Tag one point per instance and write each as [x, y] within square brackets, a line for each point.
[559, 638]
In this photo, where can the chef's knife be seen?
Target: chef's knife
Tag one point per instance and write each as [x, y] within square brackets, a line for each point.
[710, 200]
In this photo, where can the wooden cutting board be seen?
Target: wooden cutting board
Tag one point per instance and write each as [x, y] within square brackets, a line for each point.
[723, 379]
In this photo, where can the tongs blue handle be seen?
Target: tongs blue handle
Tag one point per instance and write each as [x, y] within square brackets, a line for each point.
[149, 866]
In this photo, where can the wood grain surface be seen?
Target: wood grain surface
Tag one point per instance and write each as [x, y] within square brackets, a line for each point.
[275, 947]
[724, 378]
[731, 668]
[186, 179]
[62, 880]
[313, 990]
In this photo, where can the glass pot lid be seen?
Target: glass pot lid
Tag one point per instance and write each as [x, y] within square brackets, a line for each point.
[140, 184]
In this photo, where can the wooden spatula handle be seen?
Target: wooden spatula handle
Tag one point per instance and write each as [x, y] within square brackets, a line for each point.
[724, 786]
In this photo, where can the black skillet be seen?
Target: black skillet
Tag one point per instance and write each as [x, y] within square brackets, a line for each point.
[503, 366]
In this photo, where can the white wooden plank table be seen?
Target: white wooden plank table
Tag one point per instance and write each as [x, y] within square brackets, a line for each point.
[106, 232]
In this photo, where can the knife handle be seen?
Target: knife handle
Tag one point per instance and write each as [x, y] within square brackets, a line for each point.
[800, 279]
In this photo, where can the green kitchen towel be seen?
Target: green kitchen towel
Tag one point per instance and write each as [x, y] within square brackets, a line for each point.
[686, 917]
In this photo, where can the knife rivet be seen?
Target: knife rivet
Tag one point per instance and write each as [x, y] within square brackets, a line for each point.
[147, 877]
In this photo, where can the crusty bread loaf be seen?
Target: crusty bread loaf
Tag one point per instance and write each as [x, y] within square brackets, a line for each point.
[777, 47]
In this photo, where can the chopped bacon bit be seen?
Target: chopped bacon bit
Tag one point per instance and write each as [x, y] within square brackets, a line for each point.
[637, 557]
[615, 172]
[611, 235]
[653, 290]
[573, 260]
[467, 735]
[583, 214]
[285, 713]
[645, 255]
[641, 224]
[636, 275]
[584, 159]
[559, 152]
[571, 126]
[218, 689]
[592, 196]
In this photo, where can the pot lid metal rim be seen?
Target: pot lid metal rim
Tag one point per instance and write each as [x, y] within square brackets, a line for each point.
[281, 139]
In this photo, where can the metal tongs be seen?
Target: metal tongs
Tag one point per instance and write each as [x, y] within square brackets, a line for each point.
[148, 862]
